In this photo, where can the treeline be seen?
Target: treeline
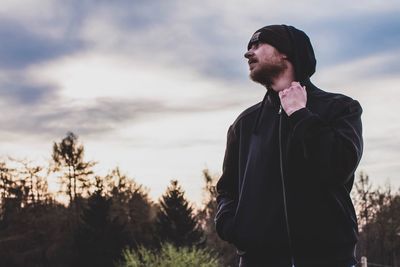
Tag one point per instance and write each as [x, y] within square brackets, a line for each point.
[378, 214]
[106, 218]
[111, 220]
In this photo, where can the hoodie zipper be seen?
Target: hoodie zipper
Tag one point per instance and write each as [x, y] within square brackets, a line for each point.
[284, 187]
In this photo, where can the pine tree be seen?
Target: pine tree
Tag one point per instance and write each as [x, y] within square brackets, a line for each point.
[141, 218]
[175, 221]
[99, 239]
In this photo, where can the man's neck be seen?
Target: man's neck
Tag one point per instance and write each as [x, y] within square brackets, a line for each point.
[284, 80]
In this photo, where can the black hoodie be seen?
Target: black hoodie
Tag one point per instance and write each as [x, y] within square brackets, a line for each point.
[284, 194]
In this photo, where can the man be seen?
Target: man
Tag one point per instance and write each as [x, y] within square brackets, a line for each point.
[283, 197]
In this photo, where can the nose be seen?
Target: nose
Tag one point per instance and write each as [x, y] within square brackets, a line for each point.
[248, 54]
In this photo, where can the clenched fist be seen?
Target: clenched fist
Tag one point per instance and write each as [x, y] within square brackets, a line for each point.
[293, 98]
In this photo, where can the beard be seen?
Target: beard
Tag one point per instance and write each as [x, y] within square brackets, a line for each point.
[266, 73]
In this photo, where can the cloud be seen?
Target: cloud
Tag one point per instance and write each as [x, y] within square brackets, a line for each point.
[21, 47]
[57, 118]
[25, 94]
[375, 67]
[90, 118]
[168, 37]
[46, 116]
[209, 38]
[345, 39]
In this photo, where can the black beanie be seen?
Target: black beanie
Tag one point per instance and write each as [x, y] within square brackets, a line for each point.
[292, 42]
[275, 35]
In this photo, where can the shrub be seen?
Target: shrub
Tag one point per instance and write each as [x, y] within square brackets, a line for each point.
[169, 256]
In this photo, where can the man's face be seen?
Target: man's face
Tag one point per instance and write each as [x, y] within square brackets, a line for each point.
[265, 62]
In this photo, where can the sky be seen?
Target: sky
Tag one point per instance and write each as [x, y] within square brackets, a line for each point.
[152, 86]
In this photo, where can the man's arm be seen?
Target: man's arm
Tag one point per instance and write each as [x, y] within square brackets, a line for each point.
[227, 189]
[332, 149]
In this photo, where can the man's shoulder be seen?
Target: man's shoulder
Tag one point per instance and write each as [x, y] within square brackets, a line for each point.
[327, 96]
[247, 112]
[334, 103]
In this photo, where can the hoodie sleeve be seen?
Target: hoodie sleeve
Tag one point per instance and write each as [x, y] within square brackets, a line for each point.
[227, 189]
[331, 149]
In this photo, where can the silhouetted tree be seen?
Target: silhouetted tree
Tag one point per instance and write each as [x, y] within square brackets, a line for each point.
[365, 204]
[35, 181]
[68, 158]
[36, 236]
[226, 251]
[388, 220]
[382, 233]
[13, 193]
[5, 184]
[142, 214]
[99, 239]
[378, 213]
[363, 199]
[7, 180]
[132, 207]
[175, 221]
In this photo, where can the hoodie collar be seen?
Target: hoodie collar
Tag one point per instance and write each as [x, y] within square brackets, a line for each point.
[271, 98]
